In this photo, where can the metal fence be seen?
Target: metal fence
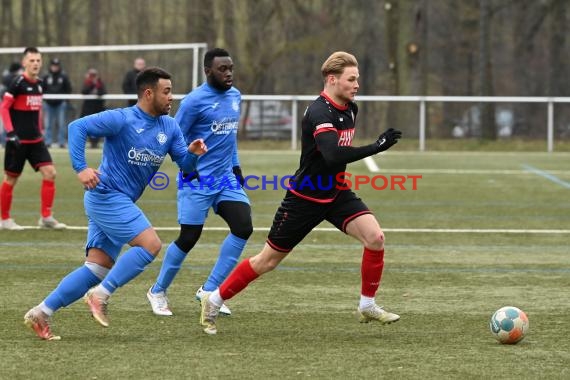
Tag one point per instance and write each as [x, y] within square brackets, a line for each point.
[421, 103]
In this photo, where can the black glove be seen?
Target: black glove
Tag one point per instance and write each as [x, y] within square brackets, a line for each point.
[239, 175]
[387, 139]
[12, 138]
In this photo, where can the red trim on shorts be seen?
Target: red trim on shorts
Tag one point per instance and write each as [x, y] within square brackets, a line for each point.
[39, 165]
[335, 105]
[277, 248]
[352, 217]
[317, 200]
[34, 141]
[12, 174]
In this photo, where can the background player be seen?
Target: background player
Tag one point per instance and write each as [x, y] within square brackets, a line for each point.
[327, 133]
[56, 82]
[21, 114]
[138, 139]
[210, 112]
[129, 81]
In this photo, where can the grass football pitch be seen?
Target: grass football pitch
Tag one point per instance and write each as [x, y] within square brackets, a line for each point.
[482, 230]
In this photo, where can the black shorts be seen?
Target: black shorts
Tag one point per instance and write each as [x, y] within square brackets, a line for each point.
[296, 217]
[15, 157]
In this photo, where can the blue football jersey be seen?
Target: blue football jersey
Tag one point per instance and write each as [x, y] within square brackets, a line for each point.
[135, 146]
[212, 115]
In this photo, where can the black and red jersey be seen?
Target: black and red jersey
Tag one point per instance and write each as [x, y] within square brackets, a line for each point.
[316, 180]
[21, 109]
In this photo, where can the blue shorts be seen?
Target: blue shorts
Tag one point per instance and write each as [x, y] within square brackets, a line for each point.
[194, 204]
[113, 220]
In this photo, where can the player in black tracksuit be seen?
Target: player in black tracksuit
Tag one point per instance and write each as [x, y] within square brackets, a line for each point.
[317, 193]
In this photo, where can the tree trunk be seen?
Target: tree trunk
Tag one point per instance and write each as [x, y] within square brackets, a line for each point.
[47, 24]
[557, 82]
[487, 109]
[392, 15]
[7, 27]
[62, 20]
[404, 25]
[219, 22]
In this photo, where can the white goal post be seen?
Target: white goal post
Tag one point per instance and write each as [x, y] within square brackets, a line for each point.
[197, 48]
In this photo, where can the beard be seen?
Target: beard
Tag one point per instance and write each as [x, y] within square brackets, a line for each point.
[161, 108]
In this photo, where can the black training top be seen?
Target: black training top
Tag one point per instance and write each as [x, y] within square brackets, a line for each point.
[327, 133]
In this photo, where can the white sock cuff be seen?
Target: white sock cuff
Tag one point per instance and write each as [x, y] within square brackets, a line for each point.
[215, 298]
[366, 302]
[46, 310]
[102, 290]
[97, 270]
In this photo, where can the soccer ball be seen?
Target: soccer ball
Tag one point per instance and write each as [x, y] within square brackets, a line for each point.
[509, 325]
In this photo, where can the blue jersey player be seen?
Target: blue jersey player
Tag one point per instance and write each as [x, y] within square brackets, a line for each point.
[210, 112]
[137, 140]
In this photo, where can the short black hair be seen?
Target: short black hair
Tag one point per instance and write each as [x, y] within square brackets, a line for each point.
[149, 78]
[213, 53]
[31, 49]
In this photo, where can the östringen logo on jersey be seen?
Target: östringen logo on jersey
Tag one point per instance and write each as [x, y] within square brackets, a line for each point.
[144, 157]
[224, 126]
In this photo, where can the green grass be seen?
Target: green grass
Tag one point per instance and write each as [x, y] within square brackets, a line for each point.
[299, 321]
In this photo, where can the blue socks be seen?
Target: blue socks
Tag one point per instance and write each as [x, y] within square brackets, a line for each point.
[71, 288]
[170, 266]
[129, 265]
[230, 251]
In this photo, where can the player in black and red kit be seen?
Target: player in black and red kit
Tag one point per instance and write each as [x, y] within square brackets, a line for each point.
[317, 193]
[21, 114]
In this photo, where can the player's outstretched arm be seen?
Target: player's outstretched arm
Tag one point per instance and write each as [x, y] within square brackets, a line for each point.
[388, 139]
[335, 155]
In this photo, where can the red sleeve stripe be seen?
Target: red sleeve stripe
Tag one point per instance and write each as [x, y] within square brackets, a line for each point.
[325, 127]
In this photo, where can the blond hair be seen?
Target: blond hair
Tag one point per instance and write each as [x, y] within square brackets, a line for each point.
[337, 62]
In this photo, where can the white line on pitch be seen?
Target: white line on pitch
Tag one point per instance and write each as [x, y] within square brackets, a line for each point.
[371, 165]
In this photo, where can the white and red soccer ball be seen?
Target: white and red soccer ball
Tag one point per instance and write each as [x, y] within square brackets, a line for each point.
[509, 325]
